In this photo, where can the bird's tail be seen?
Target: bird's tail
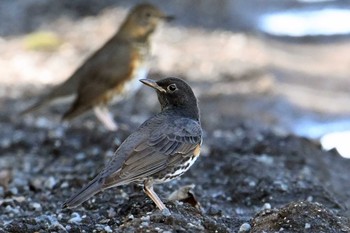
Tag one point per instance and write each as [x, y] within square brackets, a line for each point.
[85, 193]
[66, 89]
[35, 107]
[75, 110]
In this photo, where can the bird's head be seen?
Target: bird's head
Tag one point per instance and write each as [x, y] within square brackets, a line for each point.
[143, 20]
[176, 94]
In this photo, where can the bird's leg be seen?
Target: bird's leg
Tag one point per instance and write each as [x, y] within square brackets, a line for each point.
[103, 114]
[148, 189]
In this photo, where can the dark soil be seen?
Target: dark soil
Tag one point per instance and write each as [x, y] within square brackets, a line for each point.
[245, 176]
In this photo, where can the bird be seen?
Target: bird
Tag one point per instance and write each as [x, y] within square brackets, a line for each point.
[163, 148]
[112, 72]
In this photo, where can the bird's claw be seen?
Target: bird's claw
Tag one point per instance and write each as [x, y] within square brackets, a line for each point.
[166, 212]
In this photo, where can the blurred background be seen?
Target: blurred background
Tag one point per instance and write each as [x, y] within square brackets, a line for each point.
[281, 65]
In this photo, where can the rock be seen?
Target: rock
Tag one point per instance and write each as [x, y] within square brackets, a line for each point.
[307, 226]
[13, 191]
[111, 213]
[36, 206]
[298, 216]
[266, 206]
[75, 218]
[108, 229]
[244, 228]
[50, 182]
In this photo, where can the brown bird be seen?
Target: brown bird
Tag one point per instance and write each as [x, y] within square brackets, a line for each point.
[163, 148]
[112, 72]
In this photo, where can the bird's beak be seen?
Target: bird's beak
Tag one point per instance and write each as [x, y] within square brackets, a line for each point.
[168, 18]
[153, 84]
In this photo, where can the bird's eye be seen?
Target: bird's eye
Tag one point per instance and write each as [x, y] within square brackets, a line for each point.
[172, 87]
[148, 14]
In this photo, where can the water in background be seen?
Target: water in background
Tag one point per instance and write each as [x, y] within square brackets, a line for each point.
[332, 134]
[306, 22]
[299, 23]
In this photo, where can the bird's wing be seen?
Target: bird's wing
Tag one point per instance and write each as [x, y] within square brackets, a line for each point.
[167, 144]
[100, 64]
[104, 71]
[112, 57]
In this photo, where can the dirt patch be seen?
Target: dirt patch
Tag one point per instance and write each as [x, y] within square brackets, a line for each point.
[244, 175]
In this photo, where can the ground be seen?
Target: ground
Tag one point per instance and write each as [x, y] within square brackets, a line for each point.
[254, 174]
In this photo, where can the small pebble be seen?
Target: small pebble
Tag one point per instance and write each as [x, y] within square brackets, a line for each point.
[266, 206]
[214, 210]
[36, 183]
[59, 216]
[245, 227]
[111, 213]
[145, 218]
[95, 151]
[307, 226]
[75, 218]
[109, 153]
[42, 122]
[5, 143]
[252, 183]
[117, 141]
[57, 143]
[56, 133]
[36, 206]
[104, 221]
[197, 226]
[80, 156]
[10, 209]
[14, 191]
[282, 185]
[50, 182]
[266, 159]
[107, 229]
[145, 224]
[64, 185]
[239, 211]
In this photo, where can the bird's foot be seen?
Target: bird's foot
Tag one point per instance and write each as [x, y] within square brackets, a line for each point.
[103, 114]
[166, 212]
[112, 127]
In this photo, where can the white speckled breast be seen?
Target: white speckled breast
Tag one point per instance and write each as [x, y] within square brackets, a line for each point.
[178, 171]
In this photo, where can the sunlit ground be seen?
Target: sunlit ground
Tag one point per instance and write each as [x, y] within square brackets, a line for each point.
[295, 82]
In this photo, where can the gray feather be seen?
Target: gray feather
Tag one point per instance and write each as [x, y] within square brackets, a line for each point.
[85, 193]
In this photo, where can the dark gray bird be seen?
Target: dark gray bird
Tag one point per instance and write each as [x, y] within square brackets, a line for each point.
[113, 71]
[163, 148]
